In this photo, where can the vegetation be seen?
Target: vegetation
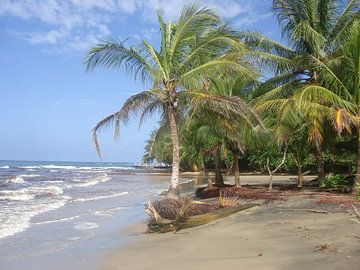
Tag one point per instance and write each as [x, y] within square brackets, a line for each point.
[217, 110]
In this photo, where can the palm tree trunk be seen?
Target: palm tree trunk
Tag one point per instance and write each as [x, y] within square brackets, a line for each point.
[218, 176]
[356, 186]
[319, 163]
[298, 162]
[174, 183]
[300, 176]
[236, 170]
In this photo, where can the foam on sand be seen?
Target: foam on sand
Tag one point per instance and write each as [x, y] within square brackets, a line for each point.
[11, 223]
[86, 226]
[101, 197]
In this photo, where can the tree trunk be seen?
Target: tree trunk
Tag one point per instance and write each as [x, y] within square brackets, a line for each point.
[298, 162]
[319, 163]
[356, 186]
[270, 181]
[236, 170]
[271, 172]
[174, 183]
[218, 176]
[300, 176]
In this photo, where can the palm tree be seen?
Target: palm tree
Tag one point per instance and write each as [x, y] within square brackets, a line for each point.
[235, 132]
[336, 92]
[314, 30]
[195, 48]
[215, 133]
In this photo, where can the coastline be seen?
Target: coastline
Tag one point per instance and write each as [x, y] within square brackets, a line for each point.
[263, 237]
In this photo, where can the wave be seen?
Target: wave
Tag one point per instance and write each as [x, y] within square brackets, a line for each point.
[16, 195]
[14, 180]
[101, 197]
[5, 167]
[58, 220]
[26, 194]
[105, 212]
[91, 182]
[29, 175]
[108, 212]
[86, 226]
[19, 179]
[15, 223]
[69, 167]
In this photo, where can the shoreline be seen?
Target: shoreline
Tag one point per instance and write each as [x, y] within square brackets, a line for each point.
[263, 237]
[254, 239]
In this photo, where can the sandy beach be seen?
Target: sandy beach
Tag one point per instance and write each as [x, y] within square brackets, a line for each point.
[263, 237]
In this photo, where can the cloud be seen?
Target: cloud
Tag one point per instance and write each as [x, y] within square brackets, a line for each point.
[75, 25]
[251, 19]
[72, 26]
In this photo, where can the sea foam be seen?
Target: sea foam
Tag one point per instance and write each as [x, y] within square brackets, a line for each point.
[101, 197]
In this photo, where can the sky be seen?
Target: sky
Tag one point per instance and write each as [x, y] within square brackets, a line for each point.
[49, 104]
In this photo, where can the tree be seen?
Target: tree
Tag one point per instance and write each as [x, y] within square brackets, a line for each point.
[195, 48]
[314, 29]
[337, 89]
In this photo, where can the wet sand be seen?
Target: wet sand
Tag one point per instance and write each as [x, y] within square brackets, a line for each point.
[263, 237]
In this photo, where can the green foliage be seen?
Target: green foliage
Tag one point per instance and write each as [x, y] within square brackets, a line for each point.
[207, 76]
[333, 181]
[158, 147]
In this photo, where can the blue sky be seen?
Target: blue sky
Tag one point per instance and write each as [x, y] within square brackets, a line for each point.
[49, 104]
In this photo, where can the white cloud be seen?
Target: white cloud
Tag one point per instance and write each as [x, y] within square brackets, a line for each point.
[74, 25]
[251, 20]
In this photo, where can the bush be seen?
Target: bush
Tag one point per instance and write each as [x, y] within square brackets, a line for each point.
[333, 181]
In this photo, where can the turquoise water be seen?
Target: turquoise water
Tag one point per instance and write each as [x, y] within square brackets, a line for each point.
[69, 215]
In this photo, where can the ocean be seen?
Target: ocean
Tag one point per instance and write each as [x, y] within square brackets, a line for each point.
[69, 215]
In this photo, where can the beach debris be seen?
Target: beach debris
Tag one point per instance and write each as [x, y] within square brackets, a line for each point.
[356, 216]
[247, 193]
[172, 215]
[329, 248]
[228, 198]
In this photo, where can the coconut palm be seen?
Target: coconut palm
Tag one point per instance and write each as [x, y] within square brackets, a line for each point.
[196, 47]
[314, 30]
[336, 92]
[216, 134]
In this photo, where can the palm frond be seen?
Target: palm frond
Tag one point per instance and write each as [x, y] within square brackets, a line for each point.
[144, 101]
[113, 54]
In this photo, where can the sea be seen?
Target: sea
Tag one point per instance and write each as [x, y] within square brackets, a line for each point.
[69, 215]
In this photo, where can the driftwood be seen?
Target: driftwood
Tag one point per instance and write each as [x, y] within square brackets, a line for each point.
[151, 211]
[306, 210]
[356, 216]
[159, 224]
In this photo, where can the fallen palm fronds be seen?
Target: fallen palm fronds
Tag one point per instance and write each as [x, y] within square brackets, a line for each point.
[356, 216]
[227, 198]
[329, 248]
[172, 215]
[247, 193]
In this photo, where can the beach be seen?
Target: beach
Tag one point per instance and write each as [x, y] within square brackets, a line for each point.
[263, 237]
[101, 225]
[69, 215]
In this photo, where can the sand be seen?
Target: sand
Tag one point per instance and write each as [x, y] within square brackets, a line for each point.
[263, 237]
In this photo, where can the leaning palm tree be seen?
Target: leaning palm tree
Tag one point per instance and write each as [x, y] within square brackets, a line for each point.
[196, 47]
